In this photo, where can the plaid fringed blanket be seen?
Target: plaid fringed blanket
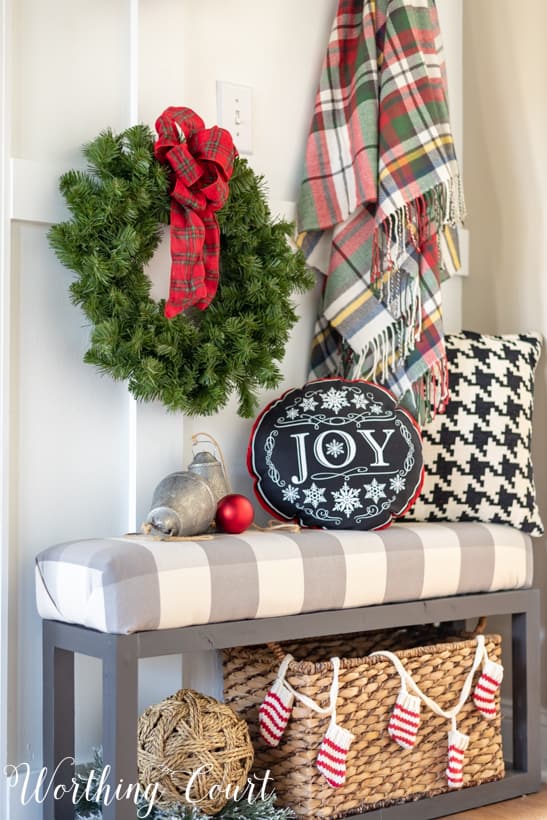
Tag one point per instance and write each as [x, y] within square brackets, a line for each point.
[381, 199]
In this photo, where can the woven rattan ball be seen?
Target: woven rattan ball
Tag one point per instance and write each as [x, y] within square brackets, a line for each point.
[195, 748]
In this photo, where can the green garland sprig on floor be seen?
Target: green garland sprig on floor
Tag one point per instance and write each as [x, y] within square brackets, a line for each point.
[88, 777]
[193, 362]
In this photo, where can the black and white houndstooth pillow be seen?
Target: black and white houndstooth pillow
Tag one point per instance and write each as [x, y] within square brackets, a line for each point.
[477, 458]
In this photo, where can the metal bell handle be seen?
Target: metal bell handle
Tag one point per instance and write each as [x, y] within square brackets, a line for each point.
[211, 440]
[205, 438]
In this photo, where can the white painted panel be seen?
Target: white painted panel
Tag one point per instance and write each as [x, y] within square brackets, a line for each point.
[71, 74]
[70, 429]
[163, 40]
[159, 451]
[35, 195]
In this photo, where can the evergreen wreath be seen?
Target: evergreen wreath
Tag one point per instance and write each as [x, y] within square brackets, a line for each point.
[194, 361]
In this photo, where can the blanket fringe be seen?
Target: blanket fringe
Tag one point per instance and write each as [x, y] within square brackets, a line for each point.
[383, 352]
[428, 395]
[414, 223]
[401, 295]
[430, 392]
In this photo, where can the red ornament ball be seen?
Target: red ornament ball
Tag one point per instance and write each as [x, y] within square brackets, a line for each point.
[234, 513]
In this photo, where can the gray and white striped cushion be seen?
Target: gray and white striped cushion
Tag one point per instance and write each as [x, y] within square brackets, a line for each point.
[127, 584]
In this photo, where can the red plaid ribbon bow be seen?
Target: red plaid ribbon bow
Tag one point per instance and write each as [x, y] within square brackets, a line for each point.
[202, 160]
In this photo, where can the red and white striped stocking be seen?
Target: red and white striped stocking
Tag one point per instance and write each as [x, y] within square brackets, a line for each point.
[405, 720]
[457, 744]
[276, 708]
[331, 760]
[486, 688]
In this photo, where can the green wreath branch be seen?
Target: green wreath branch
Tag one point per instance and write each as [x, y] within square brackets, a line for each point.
[193, 362]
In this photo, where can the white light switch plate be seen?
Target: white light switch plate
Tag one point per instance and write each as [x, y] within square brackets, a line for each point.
[234, 110]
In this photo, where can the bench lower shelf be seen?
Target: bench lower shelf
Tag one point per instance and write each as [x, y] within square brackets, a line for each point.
[120, 655]
[514, 784]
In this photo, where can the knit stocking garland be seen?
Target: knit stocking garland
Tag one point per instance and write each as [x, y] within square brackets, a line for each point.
[405, 719]
[486, 688]
[276, 708]
[275, 711]
[457, 741]
[331, 760]
[457, 744]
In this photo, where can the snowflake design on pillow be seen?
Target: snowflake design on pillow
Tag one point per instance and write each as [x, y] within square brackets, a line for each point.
[309, 404]
[347, 499]
[290, 493]
[314, 495]
[375, 490]
[397, 483]
[335, 400]
[477, 455]
[334, 448]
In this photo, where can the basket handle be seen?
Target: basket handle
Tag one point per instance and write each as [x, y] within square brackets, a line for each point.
[479, 629]
[481, 625]
[276, 651]
[285, 661]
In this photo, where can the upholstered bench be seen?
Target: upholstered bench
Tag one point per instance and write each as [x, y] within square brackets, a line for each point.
[121, 599]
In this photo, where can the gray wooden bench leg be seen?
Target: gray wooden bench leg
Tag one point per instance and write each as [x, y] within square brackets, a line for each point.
[526, 694]
[58, 722]
[120, 714]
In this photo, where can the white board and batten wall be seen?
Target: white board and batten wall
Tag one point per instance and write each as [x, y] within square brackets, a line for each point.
[80, 458]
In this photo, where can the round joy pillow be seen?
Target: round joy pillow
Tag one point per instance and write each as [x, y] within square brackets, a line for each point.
[336, 454]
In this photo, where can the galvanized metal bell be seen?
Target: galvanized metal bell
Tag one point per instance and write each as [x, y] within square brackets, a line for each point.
[182, 504]
[208, 467]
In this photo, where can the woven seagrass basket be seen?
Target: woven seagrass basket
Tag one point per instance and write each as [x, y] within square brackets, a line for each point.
[379, 772]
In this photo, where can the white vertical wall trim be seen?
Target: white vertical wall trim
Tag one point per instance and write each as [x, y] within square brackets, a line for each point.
[132, 464]
[132, 431]
[5, 268]
[133, 62]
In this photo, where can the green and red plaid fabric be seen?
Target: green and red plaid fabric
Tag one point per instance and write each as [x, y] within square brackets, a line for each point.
[202, 161]
[381, 198]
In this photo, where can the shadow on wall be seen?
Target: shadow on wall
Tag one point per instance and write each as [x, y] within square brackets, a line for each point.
[504, 161]
[505, 116]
